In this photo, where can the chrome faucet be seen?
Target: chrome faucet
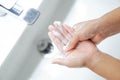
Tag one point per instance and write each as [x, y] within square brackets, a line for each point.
[12, 6]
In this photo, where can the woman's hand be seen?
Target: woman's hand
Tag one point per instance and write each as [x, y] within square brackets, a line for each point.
[76, 57]
[84, 31]
[96, 29]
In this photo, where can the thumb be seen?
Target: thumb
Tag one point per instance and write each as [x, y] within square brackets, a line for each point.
[60, 61]
[72, 44]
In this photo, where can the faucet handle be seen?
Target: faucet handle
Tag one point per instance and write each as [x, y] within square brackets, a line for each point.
[27, 15]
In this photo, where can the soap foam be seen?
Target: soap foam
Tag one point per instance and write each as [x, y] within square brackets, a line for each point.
[60, 54]
[57, 34]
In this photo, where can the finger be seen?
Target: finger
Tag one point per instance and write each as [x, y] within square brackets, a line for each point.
[72, 44]
[62, 33]
[59, 36]
[57, 26]
[59, 61]
[51, 28]
[54, 31]
[68, 28]
[66, 33]
[59, 30]
[56, 41]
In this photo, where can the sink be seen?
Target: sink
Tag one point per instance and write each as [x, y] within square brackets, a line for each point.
[26, 62]
[10, 31]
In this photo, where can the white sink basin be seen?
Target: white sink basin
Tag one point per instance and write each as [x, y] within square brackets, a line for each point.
[10, 31]
[25, 62]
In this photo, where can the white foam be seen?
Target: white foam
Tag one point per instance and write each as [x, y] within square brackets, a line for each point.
[57, 34]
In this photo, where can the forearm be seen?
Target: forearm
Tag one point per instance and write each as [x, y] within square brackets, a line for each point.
[105, 65]
[110, 23]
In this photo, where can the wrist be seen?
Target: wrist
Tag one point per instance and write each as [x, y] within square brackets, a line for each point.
[93, 60]
[103, 30]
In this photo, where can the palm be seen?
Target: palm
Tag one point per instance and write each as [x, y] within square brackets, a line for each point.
[75, 57]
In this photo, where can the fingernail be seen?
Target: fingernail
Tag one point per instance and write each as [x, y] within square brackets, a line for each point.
[58, 25]
[57, 22]
[50, 26]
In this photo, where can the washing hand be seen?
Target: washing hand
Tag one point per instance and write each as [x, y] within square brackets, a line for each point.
[76, 57]
[84, 31]
[97, 29]
[78, 44]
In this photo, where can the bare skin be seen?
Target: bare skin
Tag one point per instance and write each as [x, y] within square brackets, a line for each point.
[97, 29]
[85, 54]
[78, 44]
